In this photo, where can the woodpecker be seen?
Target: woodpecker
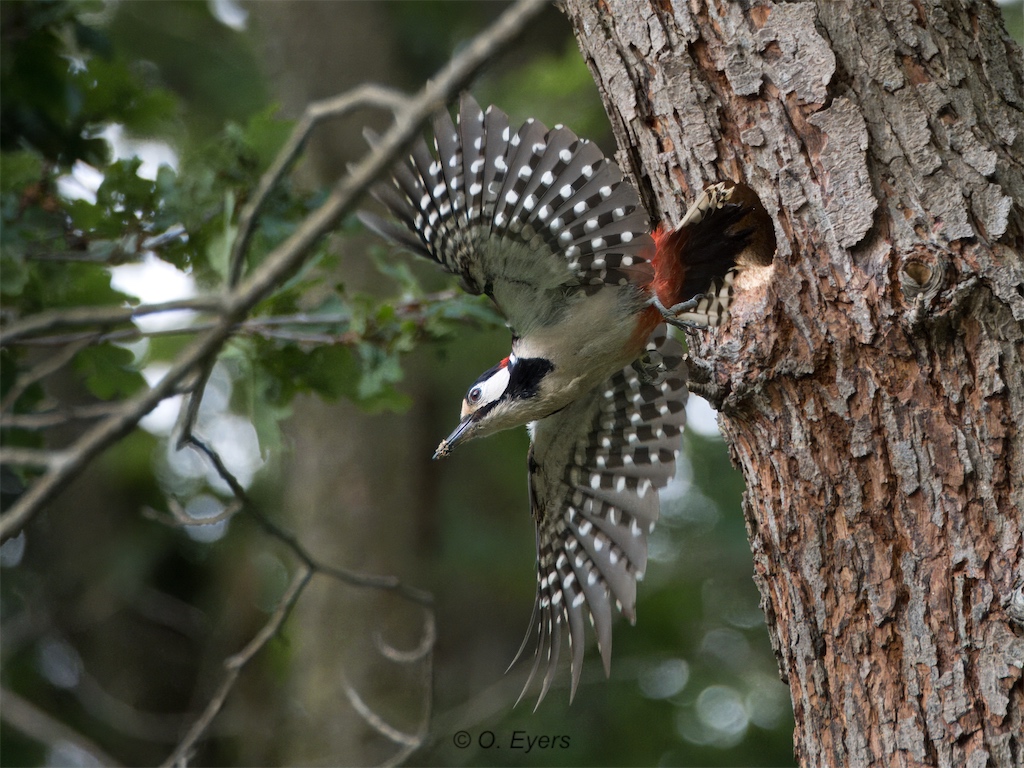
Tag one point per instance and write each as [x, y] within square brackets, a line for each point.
[547, 227]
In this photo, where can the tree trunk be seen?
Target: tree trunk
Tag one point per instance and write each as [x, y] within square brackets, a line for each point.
[342, 481]
[871, 383]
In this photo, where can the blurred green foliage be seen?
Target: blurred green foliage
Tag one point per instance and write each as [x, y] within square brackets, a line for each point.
[61, 80]
[57, 250]
[70, 71]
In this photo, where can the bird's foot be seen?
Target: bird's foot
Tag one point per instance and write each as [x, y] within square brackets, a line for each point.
[651, 368]
[671, 314]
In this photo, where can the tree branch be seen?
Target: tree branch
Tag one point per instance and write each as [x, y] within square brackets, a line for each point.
[253, 325]
[282, 261]
[421, 651]
[32, 457]
[26, 717]
[384, 583]
[41, 370]
[179, 518]
[57, 416]
[409, 742]
[376, 721]
[233, 666]
[101, 316]
[309, 566]
[365, 95]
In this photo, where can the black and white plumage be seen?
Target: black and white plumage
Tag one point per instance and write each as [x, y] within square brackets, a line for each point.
[466, 211]
[595, 468]
[546, 226]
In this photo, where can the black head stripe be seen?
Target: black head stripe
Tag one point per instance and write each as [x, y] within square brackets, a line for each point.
[488, 373]
[526, 375]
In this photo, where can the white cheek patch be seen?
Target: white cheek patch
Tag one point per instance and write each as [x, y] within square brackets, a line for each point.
[487, 391]
[494, 387]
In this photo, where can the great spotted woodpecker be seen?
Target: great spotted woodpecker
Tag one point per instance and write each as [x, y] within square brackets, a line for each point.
[546, 226]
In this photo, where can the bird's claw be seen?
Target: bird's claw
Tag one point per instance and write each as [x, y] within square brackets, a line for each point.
[671, 314]
[650, 367]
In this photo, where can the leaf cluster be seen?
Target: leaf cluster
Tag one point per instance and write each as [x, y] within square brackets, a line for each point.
[65, 86]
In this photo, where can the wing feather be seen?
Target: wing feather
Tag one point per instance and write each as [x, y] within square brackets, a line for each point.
[517, 214]
[471, 137]
[595, 471]
[496, 138]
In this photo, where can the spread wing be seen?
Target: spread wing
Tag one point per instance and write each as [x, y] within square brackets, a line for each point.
[595, 470]
[521, 216]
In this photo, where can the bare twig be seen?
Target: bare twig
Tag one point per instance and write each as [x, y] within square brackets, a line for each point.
[26, 717]
[424, 652]
[412, 308]
[281, 262]
[57, 416]
[126, 718]
[171, 234]
[310, 338]
[190, 409]
[233, 666]
[309, 567]
[122, 334]
[369, 581]
[99, 316]
[421, 651]
[41, 370]
[409, 743]
[179, 518]
[376, 721]
[384, 583]
[365, 95]
[32, 457]
[77, 256]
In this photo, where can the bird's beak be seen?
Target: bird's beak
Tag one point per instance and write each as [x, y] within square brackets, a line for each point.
[454, 438]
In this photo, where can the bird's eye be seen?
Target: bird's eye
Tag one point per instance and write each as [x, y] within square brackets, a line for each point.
[474, 395]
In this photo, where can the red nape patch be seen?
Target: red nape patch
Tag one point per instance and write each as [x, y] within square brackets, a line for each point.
[503, 363]
[669, 270]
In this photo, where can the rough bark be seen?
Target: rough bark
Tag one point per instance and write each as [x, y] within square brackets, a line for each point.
[871, 384]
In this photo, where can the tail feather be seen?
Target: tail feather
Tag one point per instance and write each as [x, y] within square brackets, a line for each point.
[726, 229]
[760, 249]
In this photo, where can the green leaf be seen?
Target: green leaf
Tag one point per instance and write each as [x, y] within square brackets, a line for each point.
[113, 92]
[265, 134]
[19, 169]
[380, 372]
[14, 275]
[75, 284]
[218, 249]
[166, 348]
[126, 199]
[399, 270]
[332, 372]
[108, 371]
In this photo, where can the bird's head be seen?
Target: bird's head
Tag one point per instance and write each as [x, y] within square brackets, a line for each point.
[510, 394]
